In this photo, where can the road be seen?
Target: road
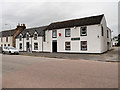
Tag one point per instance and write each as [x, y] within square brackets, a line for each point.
[40, 72]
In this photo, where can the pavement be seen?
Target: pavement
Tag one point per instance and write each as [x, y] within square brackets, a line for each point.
[110, 56]
[41, 72]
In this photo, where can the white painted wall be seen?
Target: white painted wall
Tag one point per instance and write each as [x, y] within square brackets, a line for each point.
[3, 42]
[93, 46]
[31, 41]
[95, 42]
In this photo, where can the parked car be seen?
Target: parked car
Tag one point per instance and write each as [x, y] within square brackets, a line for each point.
[10, 50]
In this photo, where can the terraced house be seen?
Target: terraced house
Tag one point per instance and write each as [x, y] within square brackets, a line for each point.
[84, 35]
[7, 37]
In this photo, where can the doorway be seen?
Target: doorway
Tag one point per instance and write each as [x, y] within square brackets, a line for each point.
[108, 45]
[54, 46]
[27, 46]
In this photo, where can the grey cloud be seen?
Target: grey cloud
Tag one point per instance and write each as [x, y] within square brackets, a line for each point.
[43, 13]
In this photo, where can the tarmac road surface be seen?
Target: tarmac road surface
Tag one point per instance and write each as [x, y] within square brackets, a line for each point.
[40, 72]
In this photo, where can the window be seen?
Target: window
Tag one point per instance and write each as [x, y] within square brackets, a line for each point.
[27, 37]
[35, 36]
[83, 31]
[102, 31]
[54, 33]
[67, 45]
[1, 45]
[20, 39]
[35, 46]
[67, 32]
[84, 45]
[4, 45]
[44, 36]
[1, 39]
[6, 39]
[107, 34]
[20, 46]
[8, 44]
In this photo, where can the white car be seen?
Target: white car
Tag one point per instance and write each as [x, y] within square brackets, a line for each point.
[10, 50]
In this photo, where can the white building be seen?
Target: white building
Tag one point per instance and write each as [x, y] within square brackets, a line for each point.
[30, 39]
[84, 35]
[115, 41]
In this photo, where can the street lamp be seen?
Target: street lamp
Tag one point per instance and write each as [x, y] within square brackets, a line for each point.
[10, 33]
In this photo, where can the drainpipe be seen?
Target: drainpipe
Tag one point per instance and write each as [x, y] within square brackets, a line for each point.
[42, 43]
[23, 43]
[31, 44]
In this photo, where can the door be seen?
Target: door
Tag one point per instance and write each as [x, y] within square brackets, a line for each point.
[54, 46]
[27, 46]
[108, 45]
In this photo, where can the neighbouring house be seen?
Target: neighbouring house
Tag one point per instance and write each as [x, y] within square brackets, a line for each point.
[31, 39]
[7, 37]
[84, 35]
[115, 41]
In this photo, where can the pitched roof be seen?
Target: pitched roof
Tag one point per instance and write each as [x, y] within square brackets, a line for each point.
[76, 22]
[7, 33]
[31, 31]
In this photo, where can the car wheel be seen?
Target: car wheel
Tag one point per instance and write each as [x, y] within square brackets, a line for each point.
[17, 53]
[3, 52]
[10, 52]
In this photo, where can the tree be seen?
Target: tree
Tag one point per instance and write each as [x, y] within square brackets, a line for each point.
[119, 40]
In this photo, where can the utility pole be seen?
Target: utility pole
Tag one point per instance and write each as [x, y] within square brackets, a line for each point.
[10, 33]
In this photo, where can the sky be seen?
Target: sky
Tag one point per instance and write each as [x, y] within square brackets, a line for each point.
[35, 13]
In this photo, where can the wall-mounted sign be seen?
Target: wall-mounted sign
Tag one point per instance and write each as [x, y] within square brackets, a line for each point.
[59, 34]
[75, 38]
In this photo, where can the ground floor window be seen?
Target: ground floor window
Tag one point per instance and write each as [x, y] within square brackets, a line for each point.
[67, 46]
[35, 46]
[8, 44]
[4, 45]
[84, 45]
[20, 46]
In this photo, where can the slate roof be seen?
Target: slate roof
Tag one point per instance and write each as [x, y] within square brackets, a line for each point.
[7, 33]
[76, 22]
[31, 31]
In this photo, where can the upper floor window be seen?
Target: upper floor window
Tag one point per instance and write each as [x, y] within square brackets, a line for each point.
[6, 39]
[102, 31]
[107, 34]
[84, 45]
[1, 39]
[35, 36]
[67, 32]
[27, 37]
[44, 37]
[83, 31]
[20, 38]
[54, 33]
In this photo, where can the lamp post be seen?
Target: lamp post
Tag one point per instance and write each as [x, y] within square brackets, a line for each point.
[10, 33]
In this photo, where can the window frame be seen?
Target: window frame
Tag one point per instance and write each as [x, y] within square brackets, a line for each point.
[20, 38]
[107, 34]
[66, 46]
[27, 36]
[66, 32]
[102, 31]
[82, 46]
[35, 38]
[6, 39]
[20, 46]
[52, 33]
[82, 31]
[34, 46]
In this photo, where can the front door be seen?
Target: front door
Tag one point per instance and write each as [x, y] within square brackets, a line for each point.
[27, 46]
[108, 45]
[54, 46]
